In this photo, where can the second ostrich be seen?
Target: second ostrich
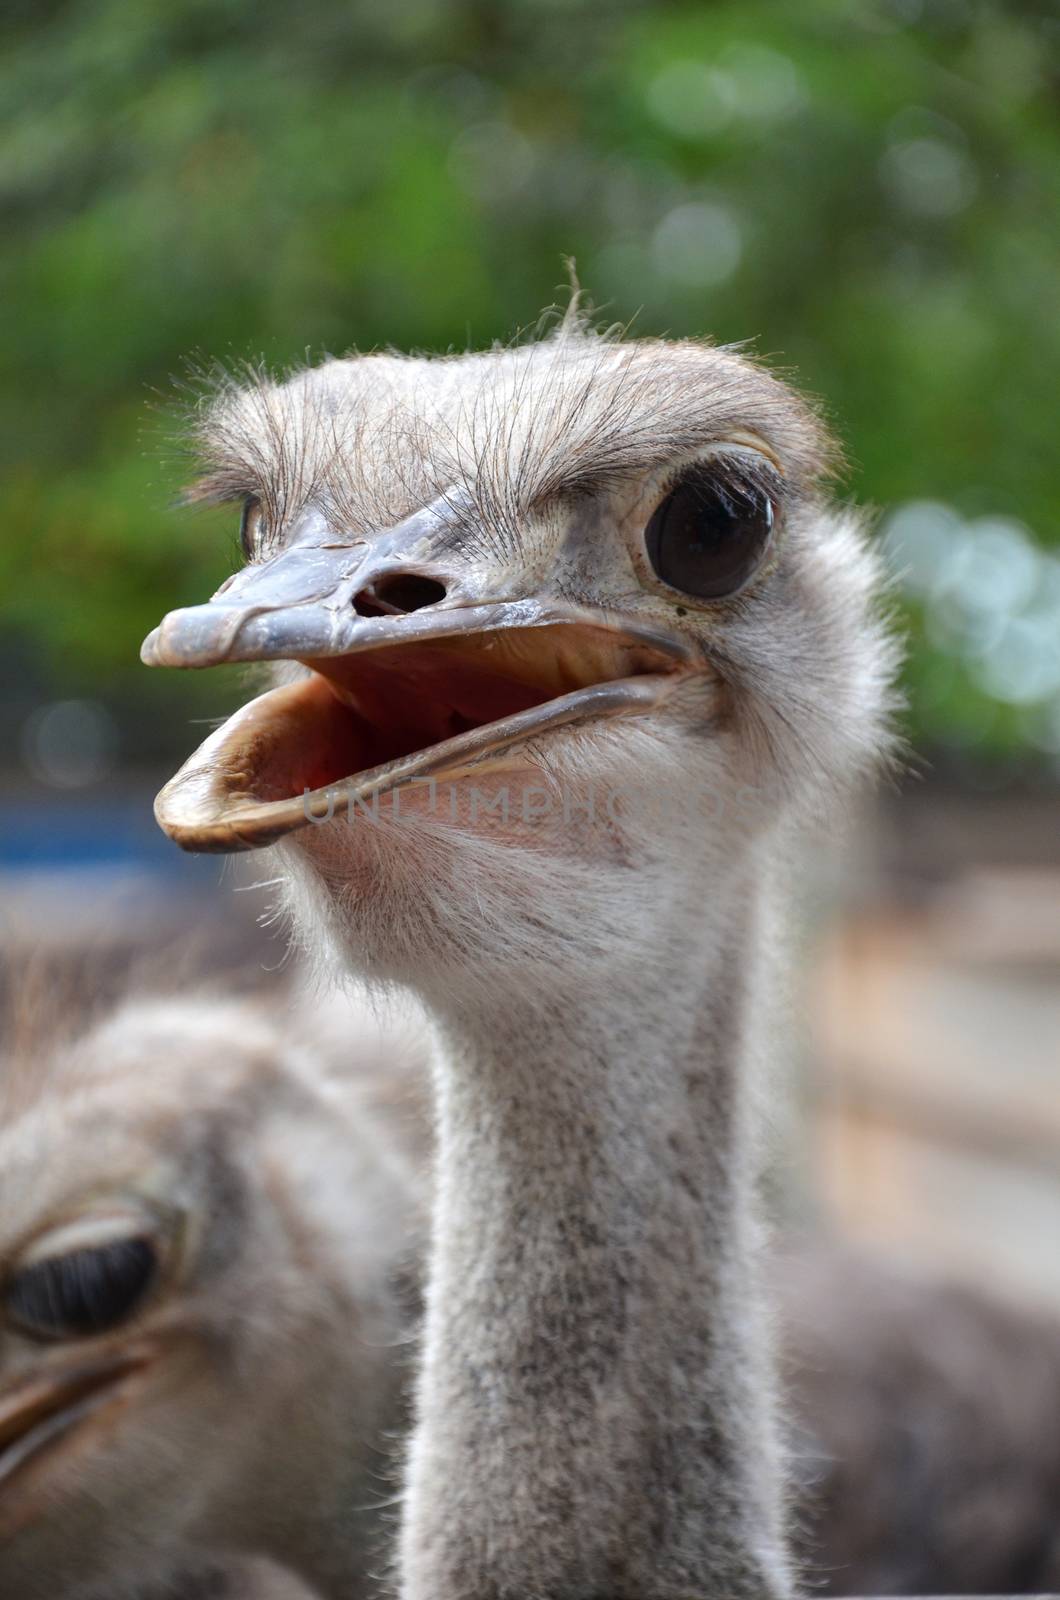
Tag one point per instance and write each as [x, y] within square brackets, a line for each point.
[202, 1247]
[574, 644]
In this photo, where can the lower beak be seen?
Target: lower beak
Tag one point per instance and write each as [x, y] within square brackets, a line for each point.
[41, 1414]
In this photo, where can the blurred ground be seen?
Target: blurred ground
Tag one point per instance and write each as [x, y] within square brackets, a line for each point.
[95, 898]
[932, 1096]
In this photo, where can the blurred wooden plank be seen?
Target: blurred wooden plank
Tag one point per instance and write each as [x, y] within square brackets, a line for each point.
[935, 1092]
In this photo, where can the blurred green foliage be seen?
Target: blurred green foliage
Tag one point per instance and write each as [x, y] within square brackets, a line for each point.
[865, 188]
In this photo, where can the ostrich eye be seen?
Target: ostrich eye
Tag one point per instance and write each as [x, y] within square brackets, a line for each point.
[709, 536]
[250, 526]
[82, 1292]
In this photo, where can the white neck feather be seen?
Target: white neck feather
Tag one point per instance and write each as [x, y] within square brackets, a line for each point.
[594, 1412]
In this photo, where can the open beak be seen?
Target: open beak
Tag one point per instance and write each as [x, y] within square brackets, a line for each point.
[420, 666]
[42, 1414]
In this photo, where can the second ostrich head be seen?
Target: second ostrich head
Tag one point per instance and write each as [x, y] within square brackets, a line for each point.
[196, 1337]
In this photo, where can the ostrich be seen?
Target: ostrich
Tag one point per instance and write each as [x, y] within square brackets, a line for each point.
[199, 1334]
[573, 644]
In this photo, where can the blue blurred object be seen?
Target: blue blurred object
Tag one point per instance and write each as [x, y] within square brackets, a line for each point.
[49, 832]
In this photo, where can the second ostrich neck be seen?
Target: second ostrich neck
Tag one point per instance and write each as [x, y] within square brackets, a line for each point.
[594, 1412]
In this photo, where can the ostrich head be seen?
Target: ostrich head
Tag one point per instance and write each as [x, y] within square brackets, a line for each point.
[557, 611]
[194, 1337]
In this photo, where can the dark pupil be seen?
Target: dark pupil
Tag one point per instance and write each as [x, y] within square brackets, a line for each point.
[707, 538]
[84, 1292]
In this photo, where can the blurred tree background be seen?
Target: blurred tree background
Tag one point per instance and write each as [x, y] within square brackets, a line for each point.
[864, 188]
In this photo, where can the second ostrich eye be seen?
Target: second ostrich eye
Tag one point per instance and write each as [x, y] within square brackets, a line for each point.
[709, 537]
[250, 526]
[82, 1292]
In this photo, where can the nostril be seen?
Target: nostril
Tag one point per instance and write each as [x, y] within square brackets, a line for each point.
[408, 591]
[399, 592]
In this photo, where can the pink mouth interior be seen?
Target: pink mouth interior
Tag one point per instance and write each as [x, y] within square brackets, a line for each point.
[360, 711]
[409, 699]
[377, 707]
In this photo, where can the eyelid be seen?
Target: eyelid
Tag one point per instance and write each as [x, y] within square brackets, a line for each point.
[744, 439]
[735, 455]
[90, 1231]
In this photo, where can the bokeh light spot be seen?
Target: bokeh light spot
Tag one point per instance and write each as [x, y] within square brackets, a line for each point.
[929, 177]
[70, 743]
[697, 245]
[690, 99]
[491, 160]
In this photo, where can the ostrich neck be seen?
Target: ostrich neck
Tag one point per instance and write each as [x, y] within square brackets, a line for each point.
[593, 1414]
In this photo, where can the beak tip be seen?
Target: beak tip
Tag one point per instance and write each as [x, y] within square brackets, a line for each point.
[149, 650]
[187, 638]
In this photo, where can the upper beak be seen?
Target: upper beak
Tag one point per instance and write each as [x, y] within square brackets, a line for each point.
[461, 668]
[322, 598]
[40, 1412]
